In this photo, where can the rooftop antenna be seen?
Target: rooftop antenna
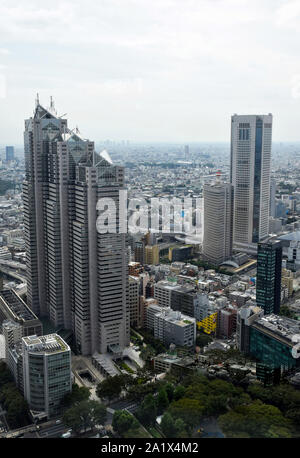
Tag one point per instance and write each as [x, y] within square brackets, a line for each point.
[37, 100]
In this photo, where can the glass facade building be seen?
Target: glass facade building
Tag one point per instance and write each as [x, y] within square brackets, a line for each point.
[47, 372]
[268, 281]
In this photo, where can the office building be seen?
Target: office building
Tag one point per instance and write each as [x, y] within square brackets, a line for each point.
[174, 328]
[47, 373]
[144, 304]
[184, 299]
[246, 315]
[13, 333]
[76, 276]
[268, 279]
[273, 198]
[152, 309]
[218, 214]
[272, 344]
[152, 254]
[251, 143]
[134, 299]
[226, 325]
[10, 153]
[163, 292]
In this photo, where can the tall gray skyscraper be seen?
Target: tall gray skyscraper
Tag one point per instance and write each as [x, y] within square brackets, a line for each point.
[218, 208]
[273, 198]
[10, 153]
[251, 143]
[76, 276]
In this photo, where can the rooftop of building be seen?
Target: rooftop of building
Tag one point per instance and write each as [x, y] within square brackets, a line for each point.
[16, 305]
[291, 236]
[52, 343]
[279, 327]
[175, 317]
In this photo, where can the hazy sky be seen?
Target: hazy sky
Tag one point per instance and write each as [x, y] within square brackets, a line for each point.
[151, 70]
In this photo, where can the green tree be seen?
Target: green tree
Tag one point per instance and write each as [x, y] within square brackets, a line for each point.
[78, 394]
[110, 388]
[179, 392]
[168, 425]
[170, 391]
[162, 401]
[203, 339]
[5, 375]
[257, 420]
[85, 414]
[147, 352]
[189, 410]
[147, 411]
[123, 421]
[180, 427]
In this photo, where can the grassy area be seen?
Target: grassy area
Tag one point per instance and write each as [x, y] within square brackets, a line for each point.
[153, 431]
[126, 367]
[140, 432]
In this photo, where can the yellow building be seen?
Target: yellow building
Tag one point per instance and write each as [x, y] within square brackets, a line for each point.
[152, 254]
[208, 324]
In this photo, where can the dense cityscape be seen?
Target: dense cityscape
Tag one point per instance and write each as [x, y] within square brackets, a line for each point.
[149, 334]
[149, 226]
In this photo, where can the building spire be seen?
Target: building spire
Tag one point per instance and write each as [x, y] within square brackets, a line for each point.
[37, 100]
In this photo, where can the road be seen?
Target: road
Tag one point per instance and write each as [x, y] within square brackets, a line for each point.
[131, 406]
[52, 430]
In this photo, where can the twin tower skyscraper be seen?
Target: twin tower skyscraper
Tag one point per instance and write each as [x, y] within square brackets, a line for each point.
[237, 214]
[76, 277]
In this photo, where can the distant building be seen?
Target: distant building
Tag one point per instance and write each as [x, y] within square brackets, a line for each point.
[47, 373]
[226, 322]
[287, 280]
[251, 143]
[280, 209]
[163, 292]
[218, 214]
[10, 153]
[184, 299]
[275, 225]
[152, 254]
[134, 269]
[134, 299]
[268, 279]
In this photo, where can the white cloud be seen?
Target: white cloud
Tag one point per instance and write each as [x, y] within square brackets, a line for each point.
[180, 63]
